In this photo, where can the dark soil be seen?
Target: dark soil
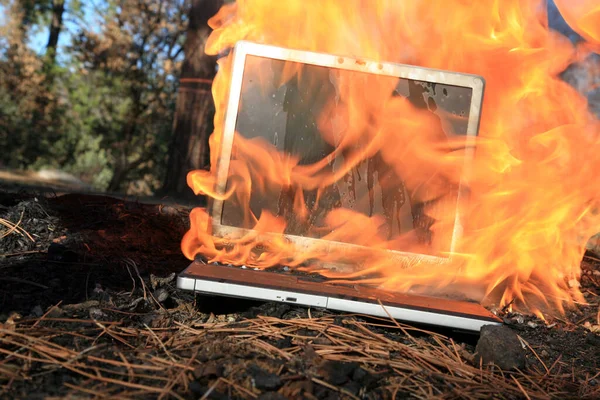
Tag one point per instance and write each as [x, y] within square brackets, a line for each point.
[89, 308]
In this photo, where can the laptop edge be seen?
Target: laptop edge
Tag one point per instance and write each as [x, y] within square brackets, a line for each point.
[287, 288]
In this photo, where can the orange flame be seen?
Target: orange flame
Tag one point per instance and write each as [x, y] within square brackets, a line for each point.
[583, 16]
[534, 187]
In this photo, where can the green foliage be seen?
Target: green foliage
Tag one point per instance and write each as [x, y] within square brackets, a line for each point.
[105, 113]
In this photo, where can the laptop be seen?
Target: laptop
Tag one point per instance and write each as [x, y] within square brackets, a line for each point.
[290, 103]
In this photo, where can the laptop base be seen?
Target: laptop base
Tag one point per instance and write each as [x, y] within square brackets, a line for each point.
[305, 291]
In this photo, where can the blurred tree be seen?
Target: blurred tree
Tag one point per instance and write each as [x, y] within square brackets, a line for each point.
[138, 51]
[20, 82]
[188, 149]
[29, 78]
[103, 110]
[29, 13]
[57, 10]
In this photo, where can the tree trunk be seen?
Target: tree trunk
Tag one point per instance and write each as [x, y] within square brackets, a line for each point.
[195, 109]
[44, 97]
[58, 9]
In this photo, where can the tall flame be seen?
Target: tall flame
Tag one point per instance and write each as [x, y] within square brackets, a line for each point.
[534, 190]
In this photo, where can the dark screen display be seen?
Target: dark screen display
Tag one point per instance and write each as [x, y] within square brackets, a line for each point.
[286, 105]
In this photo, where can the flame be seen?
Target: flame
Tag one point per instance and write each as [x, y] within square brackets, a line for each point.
[534, 187]
[583, 16]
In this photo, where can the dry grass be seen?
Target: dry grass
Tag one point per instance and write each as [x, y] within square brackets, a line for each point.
[122, 342]
[14, 228]
[161, 362]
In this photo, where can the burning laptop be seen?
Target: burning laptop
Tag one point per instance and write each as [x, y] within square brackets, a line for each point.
[319, 206]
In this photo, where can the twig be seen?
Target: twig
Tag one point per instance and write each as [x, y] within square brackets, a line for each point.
[23, 281]
[132, 280]
[521, 388]
[128, 366]
[239, 388]
[334, 388]
[591, 257]
[137, 271]
[179, 375]
[111, 334]
[534, 353]
[162, 345]
[92, 392]
[15, 227]
[210, 389]
[46, 313]
[22, 253]
[421, 368]
[393, 319]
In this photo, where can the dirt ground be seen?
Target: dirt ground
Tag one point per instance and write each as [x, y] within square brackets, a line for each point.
[89, 309]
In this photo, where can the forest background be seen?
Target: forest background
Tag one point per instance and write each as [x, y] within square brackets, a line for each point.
[114, 95]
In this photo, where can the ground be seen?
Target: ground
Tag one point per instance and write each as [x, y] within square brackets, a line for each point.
[89, 308]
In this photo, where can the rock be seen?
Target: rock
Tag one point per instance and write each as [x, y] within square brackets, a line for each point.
[208, 370]
[37, 311]
[196, 387]
[592, 339]
[202, 391]
[500, 346]
[271, 396]
[276, 310]
[96, 313]
[100, 294]
[264, 380]
[55, 312]
[352, 387]
[231, 318]
[466, 354]
[161, 294]
[337, 373]
[365, 378]
[310, 356]
[284, 343]
[60, 253]
[55, 283]
[323, 341]
[157, 282]
[592, 328]
[302, 389]
[81, 306]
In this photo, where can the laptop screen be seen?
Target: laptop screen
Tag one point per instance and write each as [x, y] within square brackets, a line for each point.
[301, 111]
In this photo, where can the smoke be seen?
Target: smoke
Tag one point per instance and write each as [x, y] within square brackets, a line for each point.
[584, 75]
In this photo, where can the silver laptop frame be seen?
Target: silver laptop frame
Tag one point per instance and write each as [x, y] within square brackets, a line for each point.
[243, 49]
[195, 280]
[460, 321]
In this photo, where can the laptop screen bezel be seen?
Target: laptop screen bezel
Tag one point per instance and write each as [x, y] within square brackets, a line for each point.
[243, 49]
